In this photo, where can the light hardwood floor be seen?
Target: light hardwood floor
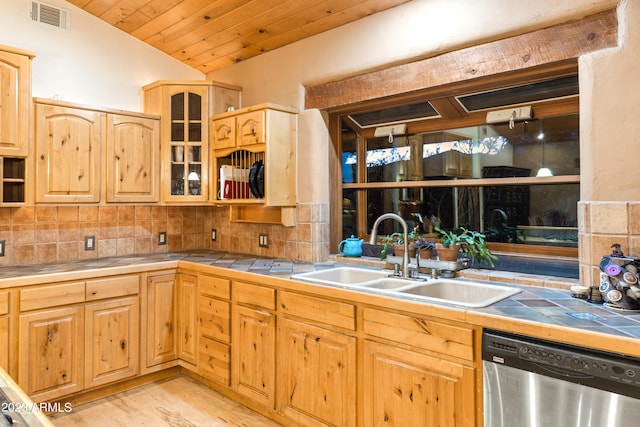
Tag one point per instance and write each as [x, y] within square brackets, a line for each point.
[176, 402]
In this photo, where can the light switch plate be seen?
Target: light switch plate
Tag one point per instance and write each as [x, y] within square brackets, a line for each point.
[162, 238]
[89, 243]
[213, 234]
[263, 240]
[2, 248]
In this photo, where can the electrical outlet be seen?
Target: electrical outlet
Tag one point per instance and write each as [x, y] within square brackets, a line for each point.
[2, 247]
[89, 243]
[213, 234]
[162, 238]
[263, 240]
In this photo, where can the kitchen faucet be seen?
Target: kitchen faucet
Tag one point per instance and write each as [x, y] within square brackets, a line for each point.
[405, 231]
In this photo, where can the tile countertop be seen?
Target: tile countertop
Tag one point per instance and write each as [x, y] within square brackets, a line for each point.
[545, 305]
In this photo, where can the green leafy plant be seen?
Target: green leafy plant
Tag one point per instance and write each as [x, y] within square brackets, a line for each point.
[473, 244]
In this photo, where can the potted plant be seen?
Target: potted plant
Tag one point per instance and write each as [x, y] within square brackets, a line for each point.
[425, 247]
[472, 243]
[448, 248]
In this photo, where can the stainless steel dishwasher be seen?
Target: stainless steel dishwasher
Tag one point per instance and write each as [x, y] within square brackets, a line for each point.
[530, 382]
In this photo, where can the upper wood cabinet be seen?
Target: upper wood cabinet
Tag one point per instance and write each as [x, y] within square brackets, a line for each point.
[133, 158]
[15, 101]
[68, 144]
[185, 107]
[88, 155]
[254, 163]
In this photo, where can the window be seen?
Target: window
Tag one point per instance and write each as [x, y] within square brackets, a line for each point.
[481, 176]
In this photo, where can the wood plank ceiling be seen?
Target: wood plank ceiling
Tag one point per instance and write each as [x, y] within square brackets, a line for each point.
[211, 34]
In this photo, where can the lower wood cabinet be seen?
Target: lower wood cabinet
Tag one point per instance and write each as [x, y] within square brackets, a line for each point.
[188, 318]
[4, 330]
[214, 328]
[162, 345]
[254, 342]
[112, 342]
[51, 349]
[317, 375]
[78, 335]
[406, 388]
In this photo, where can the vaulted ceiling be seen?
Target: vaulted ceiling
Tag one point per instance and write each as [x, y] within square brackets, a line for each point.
[211, 34]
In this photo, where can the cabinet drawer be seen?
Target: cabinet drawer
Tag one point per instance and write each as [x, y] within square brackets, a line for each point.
[111, 287]
[245, 293]
[318, 309]
[4, 302]
[213, 360]
[426, 334]
[214, 286]
[215, 318]
[52, 295]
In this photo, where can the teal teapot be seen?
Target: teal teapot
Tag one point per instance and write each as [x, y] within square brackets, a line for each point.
[351, 247]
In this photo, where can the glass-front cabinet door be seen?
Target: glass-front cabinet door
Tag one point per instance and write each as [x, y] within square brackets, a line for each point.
[185, 135]
[187, 128]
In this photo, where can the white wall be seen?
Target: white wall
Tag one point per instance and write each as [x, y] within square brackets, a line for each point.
[415, 30]
[92, 63]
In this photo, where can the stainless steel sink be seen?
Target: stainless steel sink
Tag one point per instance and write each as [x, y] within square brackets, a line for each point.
[450, 291]
[342, 276]
[459, 292]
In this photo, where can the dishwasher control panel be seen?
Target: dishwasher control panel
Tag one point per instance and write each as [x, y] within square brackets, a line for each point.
[534, 355]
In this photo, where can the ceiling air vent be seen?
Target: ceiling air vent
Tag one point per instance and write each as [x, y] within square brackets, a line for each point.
[49, 15]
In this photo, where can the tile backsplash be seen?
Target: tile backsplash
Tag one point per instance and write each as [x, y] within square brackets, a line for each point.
[600, 224]
[57, 233]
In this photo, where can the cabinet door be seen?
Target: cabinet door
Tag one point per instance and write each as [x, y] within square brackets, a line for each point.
[68, 143]
[161, 319]
[112, 341]
[251, 128]
[185, 140]
[51, 351]
[187, 318]
[4, 343]
[253, 354]
[317, 375]
[404, 388]
[223, 133]
[15, 103]
[133, 159]
[4, 331]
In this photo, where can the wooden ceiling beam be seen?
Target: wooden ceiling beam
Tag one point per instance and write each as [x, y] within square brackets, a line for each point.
[558, 44]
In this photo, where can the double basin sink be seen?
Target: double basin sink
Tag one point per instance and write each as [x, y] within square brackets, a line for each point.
[461, 292]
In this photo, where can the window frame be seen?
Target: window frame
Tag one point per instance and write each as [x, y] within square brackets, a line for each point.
[452, 117]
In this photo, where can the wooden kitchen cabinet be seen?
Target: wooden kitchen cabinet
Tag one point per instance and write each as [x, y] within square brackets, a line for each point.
[185, 108]
[133, 158]
[162, 319]
[78, 335]
[266, 133]
[309, 344]
[4, 330]
[254, 342]
[420, 372]
[188, 318]
[13, 189]
[317, 375]
[112, 342]
[214, 328]
[69, 141]
[15, 101]
[51, 348]
[406, 388]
